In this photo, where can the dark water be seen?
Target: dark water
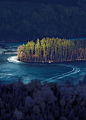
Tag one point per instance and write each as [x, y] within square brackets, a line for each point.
[11, 69]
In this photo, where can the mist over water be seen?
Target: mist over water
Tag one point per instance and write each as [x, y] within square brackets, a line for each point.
[11, 69]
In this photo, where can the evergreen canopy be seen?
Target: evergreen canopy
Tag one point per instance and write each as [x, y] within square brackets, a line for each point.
[52, 50]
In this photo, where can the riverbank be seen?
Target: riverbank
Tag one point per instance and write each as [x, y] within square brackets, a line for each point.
[13, 41]
[50, 101]
[51, 61]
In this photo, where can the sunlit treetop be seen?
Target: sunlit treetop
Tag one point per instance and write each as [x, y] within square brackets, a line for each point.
[53, 49]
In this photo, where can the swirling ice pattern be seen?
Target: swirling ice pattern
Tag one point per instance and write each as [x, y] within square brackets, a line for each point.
[52, 79]
[73, 71]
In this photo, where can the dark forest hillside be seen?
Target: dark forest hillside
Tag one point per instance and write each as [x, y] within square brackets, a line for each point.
[63, 2]
[57, 101]
[29, 21]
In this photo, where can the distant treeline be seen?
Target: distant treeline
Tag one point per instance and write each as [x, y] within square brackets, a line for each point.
[23, 21]
[52, 50]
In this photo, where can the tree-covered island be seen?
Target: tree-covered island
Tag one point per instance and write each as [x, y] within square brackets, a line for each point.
[52, 50]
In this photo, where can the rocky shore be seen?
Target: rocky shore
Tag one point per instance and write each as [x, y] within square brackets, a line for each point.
[34, 101]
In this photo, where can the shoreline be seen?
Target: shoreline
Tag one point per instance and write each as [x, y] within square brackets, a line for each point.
[53, 62]
[17, 41]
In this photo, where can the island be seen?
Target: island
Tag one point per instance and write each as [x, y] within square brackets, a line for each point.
[52, 50]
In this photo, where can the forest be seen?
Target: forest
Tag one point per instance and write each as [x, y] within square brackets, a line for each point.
[52, 50]
[24, 21]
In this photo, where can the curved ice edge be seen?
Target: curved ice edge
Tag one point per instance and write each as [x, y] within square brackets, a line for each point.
[10, 53]
[73, 71]
[3, 75]
[13, 59]
[6, 74]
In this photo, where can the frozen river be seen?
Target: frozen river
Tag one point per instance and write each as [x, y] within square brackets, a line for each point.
[11, 69]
